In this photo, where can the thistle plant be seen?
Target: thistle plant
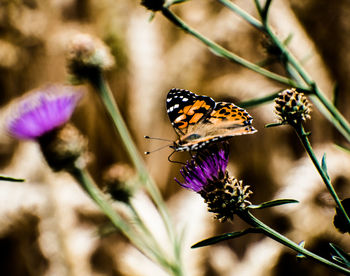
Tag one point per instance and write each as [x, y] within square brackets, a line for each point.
[87, 59]
[226, 196]
[44, 116]
[206, 174]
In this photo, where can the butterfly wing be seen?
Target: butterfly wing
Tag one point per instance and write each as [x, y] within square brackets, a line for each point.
[233, 119]
[186, 109]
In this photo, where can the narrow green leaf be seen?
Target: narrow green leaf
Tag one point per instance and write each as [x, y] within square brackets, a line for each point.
[273, 203]
[335, 99]
[224, 237]
[273, 125]
[288, 39]
[338, 259]
[324, 165]
[299, 255]
[151, 17]
[343, 148]
[345, 258]
[8, 178]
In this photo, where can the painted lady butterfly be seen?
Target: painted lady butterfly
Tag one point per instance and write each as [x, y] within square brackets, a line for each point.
[199, 120]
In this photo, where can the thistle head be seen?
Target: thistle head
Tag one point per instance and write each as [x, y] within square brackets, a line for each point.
[116, 179]
[206, 174]
[87, 56]
[339, 221]
[43, 116]
[292, 107]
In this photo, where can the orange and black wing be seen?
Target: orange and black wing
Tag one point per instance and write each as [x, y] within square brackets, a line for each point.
[234, 119]
[185, 108]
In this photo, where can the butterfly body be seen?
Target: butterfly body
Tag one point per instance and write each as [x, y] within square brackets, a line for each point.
[199, 120]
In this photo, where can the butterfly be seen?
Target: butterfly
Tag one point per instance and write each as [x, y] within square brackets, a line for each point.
[199, 120]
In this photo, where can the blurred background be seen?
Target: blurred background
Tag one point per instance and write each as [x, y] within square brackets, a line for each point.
[48, 226]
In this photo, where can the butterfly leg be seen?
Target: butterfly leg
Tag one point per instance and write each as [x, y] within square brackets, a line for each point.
[172, 161]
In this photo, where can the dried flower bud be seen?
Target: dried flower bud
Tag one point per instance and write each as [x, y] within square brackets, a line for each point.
[64, 148]
[115, 181]
[339, 220]
[206, 174]
[153, 5]
[87, 55]
[292, 107]
[272, 50]
[225, 196]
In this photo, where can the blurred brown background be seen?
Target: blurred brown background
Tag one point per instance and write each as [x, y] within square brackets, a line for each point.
[47, 224]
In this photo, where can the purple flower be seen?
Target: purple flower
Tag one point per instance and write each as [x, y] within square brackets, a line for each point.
[206, 166]
[206, 174]
[43, 111]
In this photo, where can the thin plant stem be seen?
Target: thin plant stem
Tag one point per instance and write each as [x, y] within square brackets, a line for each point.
[325, 112]
[242, 13]
[253, 221]
[144, 228]
[155, 246]
[106, 95]
[258, 101]
[303, 136]
[337, 116]
[220, 51]
[87, 183]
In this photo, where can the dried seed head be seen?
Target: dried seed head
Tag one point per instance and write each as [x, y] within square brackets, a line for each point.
[292, 107]
[115, 180]
[88, 55]
[225, 197]
[339, 220]
[64, 148]
[153, 5]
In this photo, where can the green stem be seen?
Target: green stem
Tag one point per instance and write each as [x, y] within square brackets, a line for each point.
[87, 183]
[220, 51]
[325, 112]
[306, 143]
[108, 100]
[147, 233]
[258, 101]
[253, 221]
[336, 115]
[334, 111]
[246, 16]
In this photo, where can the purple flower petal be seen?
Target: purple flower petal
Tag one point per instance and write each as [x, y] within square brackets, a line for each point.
[43, 111]
[206, 166]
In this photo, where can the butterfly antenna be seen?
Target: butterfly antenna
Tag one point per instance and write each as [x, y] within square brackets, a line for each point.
[149, 152]
[156, 138]
[172, 161]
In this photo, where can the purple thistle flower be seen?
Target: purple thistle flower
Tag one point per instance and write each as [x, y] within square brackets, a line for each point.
[206, 174]
[207, 166]
[43, 111]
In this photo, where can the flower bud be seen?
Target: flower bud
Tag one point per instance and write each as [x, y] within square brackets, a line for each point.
[153, 5]
[88, 56]
[115, 180]
[339, 220]
[64, 148]
[292, 107]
